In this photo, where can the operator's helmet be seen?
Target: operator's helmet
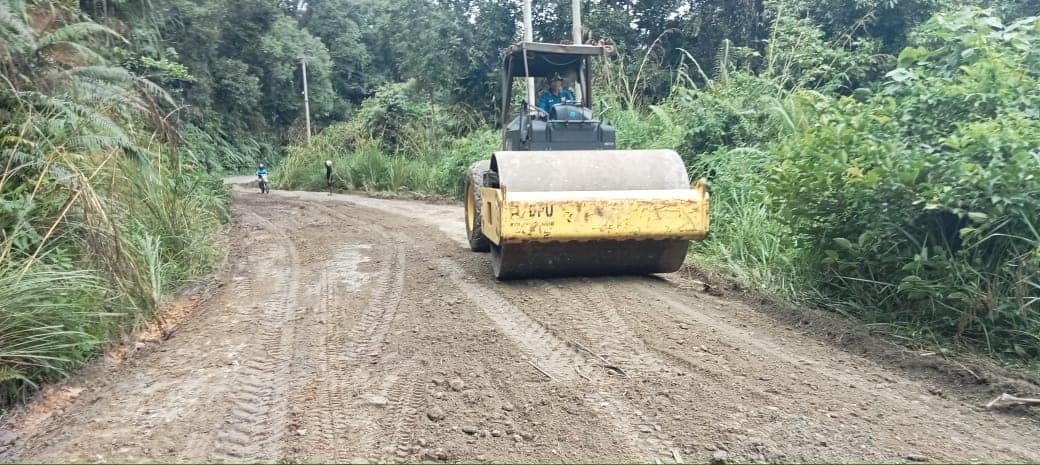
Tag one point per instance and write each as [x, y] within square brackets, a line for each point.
[554, 77]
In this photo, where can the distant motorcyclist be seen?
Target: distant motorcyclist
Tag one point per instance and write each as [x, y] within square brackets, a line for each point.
[261, 174]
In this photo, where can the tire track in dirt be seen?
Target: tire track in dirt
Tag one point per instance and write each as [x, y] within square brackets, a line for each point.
[550, 354]
[253, 426]
[409, 398]
[367, 336]
[564, 361]
[621, 346]
[612, 338]
[667, 303]
[365, 347]
[346, 429]
[318, 428]
[331, 378]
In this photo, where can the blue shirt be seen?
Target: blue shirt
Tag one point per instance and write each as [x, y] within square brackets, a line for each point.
[547, 99]
[260, 171]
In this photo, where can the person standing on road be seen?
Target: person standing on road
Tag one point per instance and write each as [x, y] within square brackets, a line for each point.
[328, 175]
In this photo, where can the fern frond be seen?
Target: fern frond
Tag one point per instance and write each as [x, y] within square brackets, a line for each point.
[154, 90]
[76, 32]
[110, 96]
[87, 54]
[121, 76]
[91, 142]
[15, 157]
[106, 73]
[15, 34]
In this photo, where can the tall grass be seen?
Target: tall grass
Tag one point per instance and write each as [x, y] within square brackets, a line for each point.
[90, 255]
[748, 240]
[421, 165]
[46, 320]
[103, 212]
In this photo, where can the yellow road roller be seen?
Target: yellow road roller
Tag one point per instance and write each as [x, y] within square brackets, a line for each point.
[559, 199]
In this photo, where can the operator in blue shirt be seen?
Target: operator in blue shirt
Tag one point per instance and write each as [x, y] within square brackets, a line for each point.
[555, 94]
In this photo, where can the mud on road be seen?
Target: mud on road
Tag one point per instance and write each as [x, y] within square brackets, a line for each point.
[353, 329]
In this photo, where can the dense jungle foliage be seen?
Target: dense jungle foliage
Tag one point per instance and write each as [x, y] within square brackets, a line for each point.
[878, 158]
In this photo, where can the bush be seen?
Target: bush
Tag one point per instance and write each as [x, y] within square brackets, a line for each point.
[404, 123]
[913, 204]
[366, 165]
[464, 151]
[924, 201]
[99, 222]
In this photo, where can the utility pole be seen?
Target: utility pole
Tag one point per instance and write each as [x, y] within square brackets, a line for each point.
[576, 26]
[306, 98]
[529, 37]
[576, 32]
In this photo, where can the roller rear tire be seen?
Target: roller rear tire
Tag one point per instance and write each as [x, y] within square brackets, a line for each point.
[474, 181]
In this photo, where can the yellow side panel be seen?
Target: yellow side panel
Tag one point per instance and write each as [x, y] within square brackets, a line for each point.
[491, 213]
[608, 215]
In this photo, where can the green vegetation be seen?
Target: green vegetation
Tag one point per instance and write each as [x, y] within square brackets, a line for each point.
[877, 158]
[104, 207]
[889, 174]
[911, 204]
[919, 204]
[393, 143]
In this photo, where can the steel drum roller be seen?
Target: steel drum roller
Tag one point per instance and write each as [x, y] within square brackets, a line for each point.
[596, 212]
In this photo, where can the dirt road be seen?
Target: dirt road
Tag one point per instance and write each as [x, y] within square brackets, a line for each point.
[354, 329]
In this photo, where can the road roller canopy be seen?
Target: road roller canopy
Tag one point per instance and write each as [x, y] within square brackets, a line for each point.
[540, 60]
[544, 60]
